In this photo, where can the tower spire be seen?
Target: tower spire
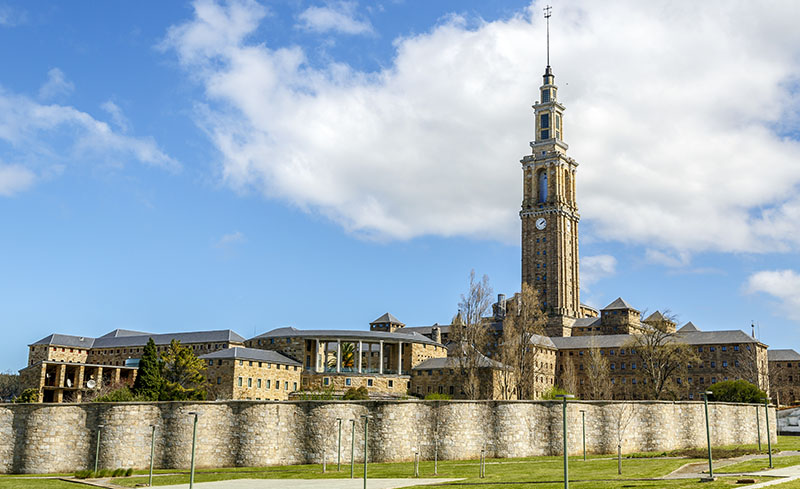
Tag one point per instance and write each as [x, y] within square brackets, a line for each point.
[547, 13]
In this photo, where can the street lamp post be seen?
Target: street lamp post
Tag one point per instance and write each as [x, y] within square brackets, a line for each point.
[583, 423]
[708, 435]
[769, 438]
[366, 446]
[194, 443]
[564, 398]
[758, 428]
[352, 446]
[339, 447]
[152, 453]
[97, 448]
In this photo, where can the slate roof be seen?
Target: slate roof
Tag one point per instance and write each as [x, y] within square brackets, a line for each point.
[688, 328]
[619, 304]
[656, 317]
[617, 340]
[783, 355]
[347, 334]
[124, 338]
[66, 340]
[586, 322]
[387, 318]
[242, 353]
[426, 330]
[452, 362]
[544, 341]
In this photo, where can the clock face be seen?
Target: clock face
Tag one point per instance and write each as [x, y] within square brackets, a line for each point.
[541, 223]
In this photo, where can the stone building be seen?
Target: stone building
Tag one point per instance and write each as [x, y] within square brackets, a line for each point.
[64, 368]
[784, 376]
[249, 373]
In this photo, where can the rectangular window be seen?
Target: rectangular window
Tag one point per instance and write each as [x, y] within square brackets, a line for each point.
[735, 347]
[545, 96]
[326, 380]
[277, 384]
[249, 382]
[347, 381]
[544, 121]
[724, 348]
[240, 382]
[259, 383]
[295, 385]
[712, 349]
[391, 383]
[633, 365]
[700, 349]
[241, 362]
[369, 382]
[285, 386]
[210, 363]
[268, 383]
[545, 134]
[219, 380]
[724, 364]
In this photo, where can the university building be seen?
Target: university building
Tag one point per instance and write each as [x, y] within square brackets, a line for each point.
[392, 360]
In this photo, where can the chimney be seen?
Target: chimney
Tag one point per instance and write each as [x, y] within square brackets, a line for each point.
[753, 327]
[436, 333]
[500, 310]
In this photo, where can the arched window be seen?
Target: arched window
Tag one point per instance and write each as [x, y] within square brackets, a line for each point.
[542, 186]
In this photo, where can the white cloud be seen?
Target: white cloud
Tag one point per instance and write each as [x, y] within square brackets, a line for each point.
[10, 17]
[784, 285]
[117, 117]
[56, 85]
[44, 138]
[669, 258]
[594, 268]
[335, 16]
[14, 179]
[681, 120]
[230, 239]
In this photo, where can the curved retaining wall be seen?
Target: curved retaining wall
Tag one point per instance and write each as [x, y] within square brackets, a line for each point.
[41, 438]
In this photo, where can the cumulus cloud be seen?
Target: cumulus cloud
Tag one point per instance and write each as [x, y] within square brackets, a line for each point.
[43, 138]
[597, 267]
[680, 118]
[784, 285]
[56, 85]
[335, 16]
[14, 179]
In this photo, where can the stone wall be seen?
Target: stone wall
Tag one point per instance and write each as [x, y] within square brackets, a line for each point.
[38, 438]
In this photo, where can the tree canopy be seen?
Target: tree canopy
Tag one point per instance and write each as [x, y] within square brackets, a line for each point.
[149, 382]
[736, 391]
[184, 377]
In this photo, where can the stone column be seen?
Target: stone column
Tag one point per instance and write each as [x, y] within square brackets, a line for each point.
[380, 358]
[62, 373]
[79, 379]
[338, 356]
[399, 358]
[316, 356]
[117, 371]
[359, 356]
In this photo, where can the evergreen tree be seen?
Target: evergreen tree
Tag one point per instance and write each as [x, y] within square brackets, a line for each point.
[183, 374]
[149, 383]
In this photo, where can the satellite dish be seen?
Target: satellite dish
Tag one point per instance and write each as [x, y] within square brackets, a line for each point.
[91, 384]
[69, 383]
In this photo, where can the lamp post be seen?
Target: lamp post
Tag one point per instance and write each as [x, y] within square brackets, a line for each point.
[769, 438]
[352, 446]
[708, 435]
[152, 453]
[339, 447]
[366, 446]
[194, 443]
[97, 448]
[564, 398]
[583, 423]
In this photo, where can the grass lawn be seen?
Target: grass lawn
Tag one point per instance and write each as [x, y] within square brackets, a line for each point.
[759, 464]
[8, 483]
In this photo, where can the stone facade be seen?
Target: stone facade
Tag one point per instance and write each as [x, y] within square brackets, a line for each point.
[377, 385]
[61, 438]
[251, 380]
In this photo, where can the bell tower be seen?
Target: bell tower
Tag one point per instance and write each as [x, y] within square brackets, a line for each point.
[550, 213]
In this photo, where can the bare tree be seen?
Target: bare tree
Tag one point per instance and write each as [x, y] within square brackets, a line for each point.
[598, 374]
[621, 414]
[470, 333]
[10, 385]
[568, 379]
[663, 356]
[519, 350]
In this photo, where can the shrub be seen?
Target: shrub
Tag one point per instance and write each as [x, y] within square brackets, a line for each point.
[434, 396]
[118, 473]
[83, 474]
[736, 391]
[353, 394]
[323, 395]
[129, 472]
[28, 395]
[102, 473]
[123, 394]
[553, 392]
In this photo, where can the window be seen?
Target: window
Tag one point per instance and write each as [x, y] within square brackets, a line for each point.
[545, 95]
[700, 349]
[326, 380]
[240, 381]
[347, 381]
[724, 364]
[241, 362]
[210, 363]
[713, 364]
[259, 383]
[285, 385]
[633, 365]
[391, 383]
[451, 390]
[610, 352]
[735, 347]
[268, 383]
[712, 349]
[295, 385]
[542, 186]
[724, 348]
[613, 366]
[249, 382]
[544, 120]
[713, 380]
[545, 134]
[369, 382]
[219, 380]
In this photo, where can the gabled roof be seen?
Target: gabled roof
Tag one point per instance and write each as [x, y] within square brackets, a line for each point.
[783, 355]
[618, 340]
[124, 332]
[656, 317]
[387, 318]
[66, 340]
[347, 334]
[619, 304]
[585, 322]
[688, 328]
[242, 353]
[452, 362]
[215, 336]
[543, 341]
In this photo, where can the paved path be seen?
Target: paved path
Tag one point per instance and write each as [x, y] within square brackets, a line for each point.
[786, 474]
[310, 483]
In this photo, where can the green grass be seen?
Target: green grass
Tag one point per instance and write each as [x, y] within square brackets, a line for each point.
[9, 483]
[759, 464]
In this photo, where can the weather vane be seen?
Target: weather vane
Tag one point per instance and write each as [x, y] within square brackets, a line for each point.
[547, 13]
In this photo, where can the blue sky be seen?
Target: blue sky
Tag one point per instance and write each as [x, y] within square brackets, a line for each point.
[181, 166]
